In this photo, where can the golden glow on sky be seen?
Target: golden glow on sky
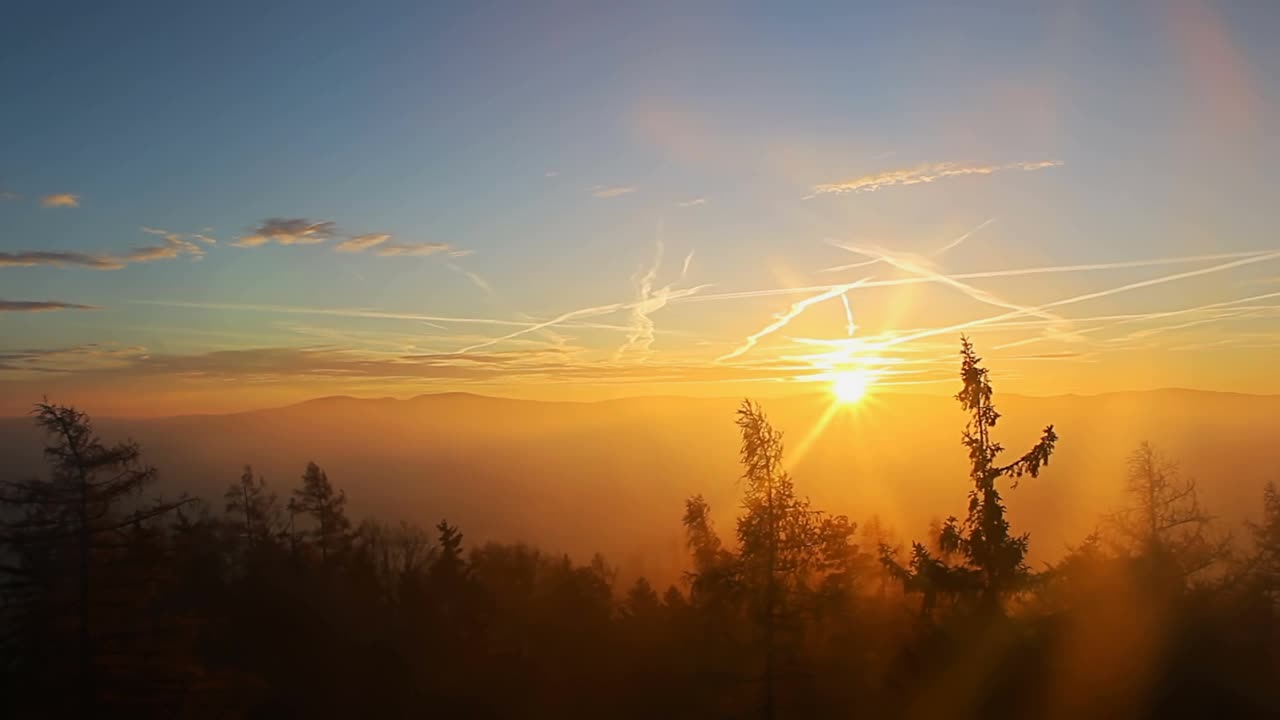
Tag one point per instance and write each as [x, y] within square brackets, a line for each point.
[673, 223]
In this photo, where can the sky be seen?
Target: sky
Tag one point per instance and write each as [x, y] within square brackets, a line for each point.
[238, 205]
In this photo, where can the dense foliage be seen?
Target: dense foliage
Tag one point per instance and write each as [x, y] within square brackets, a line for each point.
[263, 606]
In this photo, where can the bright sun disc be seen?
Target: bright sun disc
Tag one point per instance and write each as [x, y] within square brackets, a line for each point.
[850, 386]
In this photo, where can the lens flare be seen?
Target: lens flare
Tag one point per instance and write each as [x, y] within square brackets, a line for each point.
[850, 386]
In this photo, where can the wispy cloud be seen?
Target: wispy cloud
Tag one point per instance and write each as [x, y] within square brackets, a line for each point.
[920, 175]
[551, 174]
[60, 200]
[323, 364]
[170, 235]
[7, 195]
[172, 247]
[612, 192]
[693, 203]
[40, 306]
[68, 359]
[648, 301]
[360, 243]
[392, 249]
[293, 231]
[59, 258]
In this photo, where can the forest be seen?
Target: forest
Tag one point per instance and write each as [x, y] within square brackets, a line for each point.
[272, 601]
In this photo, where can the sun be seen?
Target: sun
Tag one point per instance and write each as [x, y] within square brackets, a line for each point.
[850, 386]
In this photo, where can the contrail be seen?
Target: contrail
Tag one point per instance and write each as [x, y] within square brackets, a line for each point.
[850, 266]
[358, 313]
[475, 280]
[1013, 272]
[848, 313]
[685, 269]
[584, 312]
[782, 320]
[973, 292]
[1081, 298]
[954, 243]
[1144, 317]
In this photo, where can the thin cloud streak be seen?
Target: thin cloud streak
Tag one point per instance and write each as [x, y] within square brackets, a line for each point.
[956, 243]
[958, 327]
[359, 313]
[360, 243]
[848, 314]
[1147, 317]
[41, 306]
[59, 258]
[684, 269]
[922, 174]
[612, 192]
[572, 315]
[921, 270]
[411, 249]
[1014, 272]
[475, 279]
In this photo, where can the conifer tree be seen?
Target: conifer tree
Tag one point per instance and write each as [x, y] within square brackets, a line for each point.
[58, 526]
[327, 508]
[993, 559]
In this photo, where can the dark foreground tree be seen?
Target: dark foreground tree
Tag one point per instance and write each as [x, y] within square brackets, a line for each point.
[60, 530]
[993, 558]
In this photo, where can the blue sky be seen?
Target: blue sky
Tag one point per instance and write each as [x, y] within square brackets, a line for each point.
[527, 160]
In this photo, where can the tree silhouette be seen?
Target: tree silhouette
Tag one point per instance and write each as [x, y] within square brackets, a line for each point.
[993, 558]
[89, 504]
[255, 511]
[198, 613]
[1165, 524]
[1266, 540]
[326, 507]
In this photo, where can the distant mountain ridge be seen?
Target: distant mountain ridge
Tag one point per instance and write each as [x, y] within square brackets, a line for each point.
[612, 475]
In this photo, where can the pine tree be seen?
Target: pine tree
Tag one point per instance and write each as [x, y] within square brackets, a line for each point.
[56, 527]
[993, 559]
[326, 507]
[253, 509]
[1266, 541]
[777, 532]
